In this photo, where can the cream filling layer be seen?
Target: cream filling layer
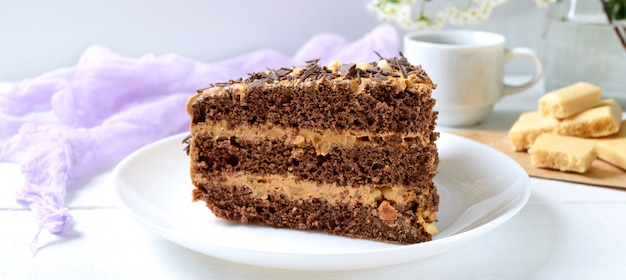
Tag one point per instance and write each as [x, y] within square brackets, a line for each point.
[322, 140]
[378, 196]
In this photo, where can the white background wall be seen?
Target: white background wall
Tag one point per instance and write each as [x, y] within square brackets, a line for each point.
[38, 36]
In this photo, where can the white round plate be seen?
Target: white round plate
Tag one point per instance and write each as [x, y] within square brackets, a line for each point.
[479, 187]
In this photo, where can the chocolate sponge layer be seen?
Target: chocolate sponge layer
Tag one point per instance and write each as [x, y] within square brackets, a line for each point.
[408, 165]
[236, 203]
[381, 107]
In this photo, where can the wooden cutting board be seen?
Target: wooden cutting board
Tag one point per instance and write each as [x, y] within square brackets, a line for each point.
[600, 173]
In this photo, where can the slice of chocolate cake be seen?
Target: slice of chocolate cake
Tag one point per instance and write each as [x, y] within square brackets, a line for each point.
[348, 149]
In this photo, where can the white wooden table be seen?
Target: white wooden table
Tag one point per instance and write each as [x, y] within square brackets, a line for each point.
[566, 231]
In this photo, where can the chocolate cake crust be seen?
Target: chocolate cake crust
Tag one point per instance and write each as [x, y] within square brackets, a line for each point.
[409, 167]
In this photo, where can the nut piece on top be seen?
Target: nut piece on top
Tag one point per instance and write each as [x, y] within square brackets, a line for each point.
[570, 100]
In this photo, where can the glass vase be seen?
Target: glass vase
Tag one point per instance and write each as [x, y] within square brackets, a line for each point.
[579, 44]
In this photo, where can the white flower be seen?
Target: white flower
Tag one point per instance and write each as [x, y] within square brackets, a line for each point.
[543, 3]
[402, 13]
[479, 11]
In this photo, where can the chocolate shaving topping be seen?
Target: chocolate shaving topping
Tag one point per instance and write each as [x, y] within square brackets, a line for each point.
[321, 74]
[400, 67]
[419, 74]
[273, 74]
[344, 69]
[403, 71]
[254, 84]
[312, 61]
[313, 68]
[283, 71]
[380, 56]
[187, 141]
[222, 84]
[380, 76]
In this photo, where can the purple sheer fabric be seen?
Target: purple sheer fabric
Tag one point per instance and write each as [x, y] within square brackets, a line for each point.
[69, 123]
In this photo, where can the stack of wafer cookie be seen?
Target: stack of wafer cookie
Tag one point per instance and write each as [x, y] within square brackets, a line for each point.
[572, 127]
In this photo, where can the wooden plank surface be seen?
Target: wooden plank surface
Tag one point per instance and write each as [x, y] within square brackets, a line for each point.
[600, 173]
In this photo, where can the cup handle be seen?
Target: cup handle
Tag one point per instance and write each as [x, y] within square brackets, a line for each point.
[516, 52]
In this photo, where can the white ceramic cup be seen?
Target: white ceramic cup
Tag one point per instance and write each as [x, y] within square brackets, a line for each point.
[468, 68]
